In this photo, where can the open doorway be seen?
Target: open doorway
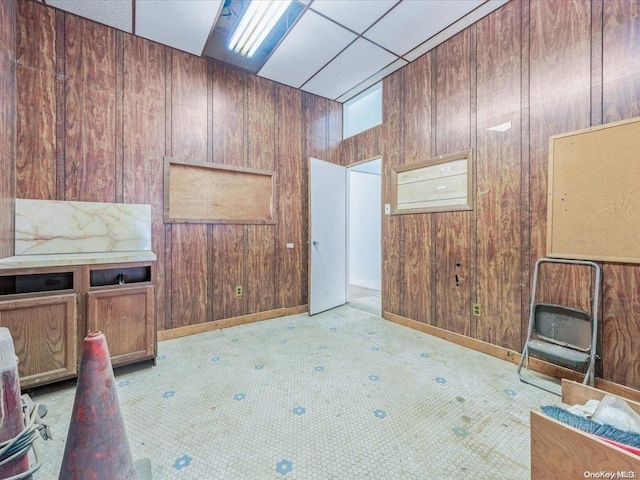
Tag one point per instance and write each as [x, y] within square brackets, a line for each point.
[364, 219]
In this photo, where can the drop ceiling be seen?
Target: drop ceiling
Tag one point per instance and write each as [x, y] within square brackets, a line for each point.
[334, 48]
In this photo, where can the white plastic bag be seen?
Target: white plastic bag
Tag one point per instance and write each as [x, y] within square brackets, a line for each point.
[586, 410]
[616, 412]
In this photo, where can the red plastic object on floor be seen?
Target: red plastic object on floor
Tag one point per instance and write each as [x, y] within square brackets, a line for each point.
[97, 446]
[12, 417]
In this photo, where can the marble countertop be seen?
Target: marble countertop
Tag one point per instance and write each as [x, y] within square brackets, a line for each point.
[65, 259]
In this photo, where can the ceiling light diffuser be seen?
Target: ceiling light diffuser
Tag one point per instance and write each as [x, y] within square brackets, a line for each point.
[256, 23]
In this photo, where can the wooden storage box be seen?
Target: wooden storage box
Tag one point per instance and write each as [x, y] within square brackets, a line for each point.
[561, 451]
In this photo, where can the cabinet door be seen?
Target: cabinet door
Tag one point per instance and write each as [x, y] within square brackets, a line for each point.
[126, 316]
[44, 336]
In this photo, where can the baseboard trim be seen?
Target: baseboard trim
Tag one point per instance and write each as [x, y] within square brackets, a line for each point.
[511, 356]
[229, 322]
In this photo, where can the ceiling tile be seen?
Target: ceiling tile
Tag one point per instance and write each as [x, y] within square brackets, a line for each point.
[418, 20]
[388, 70]
[480, 12]
[354, 65]
[308, 46]
[181, 24]
[356, 15]
[115, 13]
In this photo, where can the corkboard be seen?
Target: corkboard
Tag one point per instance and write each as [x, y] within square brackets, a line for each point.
[212, 193]
[594, 193]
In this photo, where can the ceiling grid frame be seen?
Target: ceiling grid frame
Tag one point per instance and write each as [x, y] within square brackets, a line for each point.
[323, 63]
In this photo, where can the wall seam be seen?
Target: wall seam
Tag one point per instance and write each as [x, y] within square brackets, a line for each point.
[473, 141]
[433, 224]
[525, 153]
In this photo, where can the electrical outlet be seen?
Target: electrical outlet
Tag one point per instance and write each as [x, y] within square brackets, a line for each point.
[476, 309]
[238, 290]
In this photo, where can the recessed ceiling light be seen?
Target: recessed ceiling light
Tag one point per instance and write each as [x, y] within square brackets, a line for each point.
[256, 23]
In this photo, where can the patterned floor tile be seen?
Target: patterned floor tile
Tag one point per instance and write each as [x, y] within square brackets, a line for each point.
[339, 395]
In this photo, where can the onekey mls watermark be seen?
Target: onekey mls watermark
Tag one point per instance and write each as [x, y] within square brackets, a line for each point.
[611, 474]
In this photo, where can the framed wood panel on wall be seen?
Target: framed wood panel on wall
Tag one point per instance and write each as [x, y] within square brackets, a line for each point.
[440, 184]
[593, 195]
[199, 192]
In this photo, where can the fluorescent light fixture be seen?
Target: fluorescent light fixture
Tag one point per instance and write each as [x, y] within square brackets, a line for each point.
[256, 23]
[503, 127]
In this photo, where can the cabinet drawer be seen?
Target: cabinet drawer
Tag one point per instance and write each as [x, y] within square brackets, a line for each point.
[119, 276]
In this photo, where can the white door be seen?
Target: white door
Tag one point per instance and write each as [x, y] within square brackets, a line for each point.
[327, 235]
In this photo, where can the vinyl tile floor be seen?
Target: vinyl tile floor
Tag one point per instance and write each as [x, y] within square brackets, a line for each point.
[365, 299]
[343, 394]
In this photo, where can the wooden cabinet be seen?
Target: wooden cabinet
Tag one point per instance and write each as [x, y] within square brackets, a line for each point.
[121, 304]
[50, 311]
[125, 316]
[44, 337]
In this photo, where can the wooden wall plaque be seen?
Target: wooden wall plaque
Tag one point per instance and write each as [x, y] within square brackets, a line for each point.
[594, 193]
[199, 192]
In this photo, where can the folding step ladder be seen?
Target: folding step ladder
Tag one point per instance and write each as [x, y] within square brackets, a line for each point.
[563, 335]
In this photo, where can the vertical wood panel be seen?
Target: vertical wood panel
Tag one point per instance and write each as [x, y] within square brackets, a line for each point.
[621, 318]
[61, 112]
[144, 142]
[452, 258]
[228, 115]
[7, 32]
[315, 124]
[560, 102]
[90, 99]
[291, 227]
[189, 107]
[168, 127]
[260, 281]
[417, 281]
[621, 100]
[189, 279]
[334, 132]
[228, 264]
[7, 117]
[621, 62]
[498, 170]
[390, 140]
[190, 264]
[36, 121]
[229, 140]
[119, 117]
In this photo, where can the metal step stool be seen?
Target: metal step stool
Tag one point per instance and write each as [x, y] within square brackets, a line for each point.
[560, 334]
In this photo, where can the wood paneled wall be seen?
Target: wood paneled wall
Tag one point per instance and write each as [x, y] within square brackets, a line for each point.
[546, 66]
[7, 121]
[97, 109]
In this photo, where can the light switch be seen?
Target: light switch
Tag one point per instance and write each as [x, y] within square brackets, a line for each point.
[387, 209]
[289, 245]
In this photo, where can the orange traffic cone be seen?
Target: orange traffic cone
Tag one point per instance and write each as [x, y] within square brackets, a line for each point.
[97, 445]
